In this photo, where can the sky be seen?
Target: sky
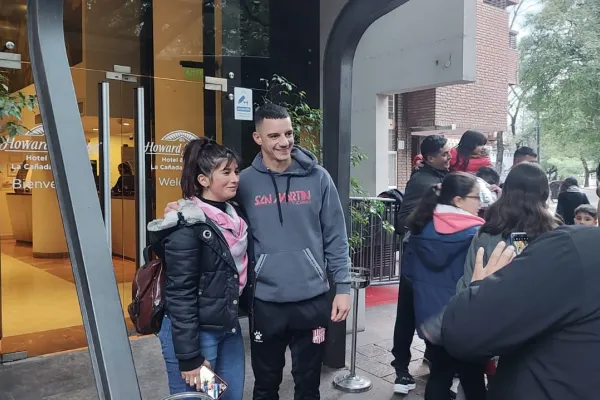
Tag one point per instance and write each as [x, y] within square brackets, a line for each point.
[528, 7]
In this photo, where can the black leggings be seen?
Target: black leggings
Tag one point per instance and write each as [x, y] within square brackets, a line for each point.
[442, 369]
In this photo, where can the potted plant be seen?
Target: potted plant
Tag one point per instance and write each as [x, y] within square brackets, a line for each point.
[11, 110]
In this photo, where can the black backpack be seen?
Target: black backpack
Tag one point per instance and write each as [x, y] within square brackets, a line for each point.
[398, 196]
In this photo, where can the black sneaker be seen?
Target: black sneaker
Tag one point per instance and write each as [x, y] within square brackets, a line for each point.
[404, 384]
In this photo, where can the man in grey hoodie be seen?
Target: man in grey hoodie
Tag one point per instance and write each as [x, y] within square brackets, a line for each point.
[299, 233]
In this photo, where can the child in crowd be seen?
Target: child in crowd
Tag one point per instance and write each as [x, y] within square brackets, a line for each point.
[489, 175]
[488, 179]
[586, 214]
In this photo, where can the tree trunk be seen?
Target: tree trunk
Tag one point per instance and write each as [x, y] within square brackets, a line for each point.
[499, 152]
[586, 171]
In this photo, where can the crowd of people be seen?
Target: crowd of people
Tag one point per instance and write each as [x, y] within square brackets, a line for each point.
[510, 326]
[263, 241]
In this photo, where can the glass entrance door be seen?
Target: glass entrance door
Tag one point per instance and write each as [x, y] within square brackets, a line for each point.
[113, 132]
[189, 57]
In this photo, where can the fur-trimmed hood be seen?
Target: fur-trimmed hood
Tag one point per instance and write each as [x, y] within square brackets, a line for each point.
[189, 211]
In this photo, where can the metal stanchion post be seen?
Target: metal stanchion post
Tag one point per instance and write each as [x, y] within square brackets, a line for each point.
[349, 382]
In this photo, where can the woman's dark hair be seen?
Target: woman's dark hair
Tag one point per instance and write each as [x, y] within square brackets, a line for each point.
[522, 206]
[201, 157]
[469, 141]
[454, 184]
[567, 183]
[125, 168]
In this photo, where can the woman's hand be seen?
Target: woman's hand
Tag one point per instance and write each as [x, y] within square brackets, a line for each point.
[192, 378]
[501, 256]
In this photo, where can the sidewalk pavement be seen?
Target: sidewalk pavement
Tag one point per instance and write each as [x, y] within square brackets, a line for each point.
[68, 376]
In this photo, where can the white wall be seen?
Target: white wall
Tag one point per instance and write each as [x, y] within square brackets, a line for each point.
[422, 44]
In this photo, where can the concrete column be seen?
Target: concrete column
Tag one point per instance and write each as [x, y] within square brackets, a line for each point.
[370, 135]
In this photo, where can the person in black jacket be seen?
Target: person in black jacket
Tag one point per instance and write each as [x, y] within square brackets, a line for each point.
[208, 268]
[539, 313]
[300, 238]
[569, 198]
[436, 154]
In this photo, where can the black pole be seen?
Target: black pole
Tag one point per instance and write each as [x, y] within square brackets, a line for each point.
[110, 352]
[348, 29]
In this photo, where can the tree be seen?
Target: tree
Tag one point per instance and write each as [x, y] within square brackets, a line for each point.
[515, 95]
[560, 76]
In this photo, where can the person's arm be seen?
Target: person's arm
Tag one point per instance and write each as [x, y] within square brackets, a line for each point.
[335, 237]
[119, 185]
[521, 301]
[181, 292]
[412, 195]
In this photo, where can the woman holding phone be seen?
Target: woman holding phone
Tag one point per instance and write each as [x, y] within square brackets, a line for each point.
[206, 246]
[522, 209]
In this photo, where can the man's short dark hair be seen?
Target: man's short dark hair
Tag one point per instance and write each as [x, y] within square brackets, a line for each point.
[431, 146]
[489, 174]
[587, 209]
[524, 151]
[269, 111]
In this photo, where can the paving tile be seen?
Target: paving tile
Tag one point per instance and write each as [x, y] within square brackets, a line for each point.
[416, 354]
[385, 358]
[387, 344]
[371, 350]
[418, 368]
[418, 344]
[375, 368]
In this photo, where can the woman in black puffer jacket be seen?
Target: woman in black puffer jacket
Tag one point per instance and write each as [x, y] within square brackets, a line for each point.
[206, 248]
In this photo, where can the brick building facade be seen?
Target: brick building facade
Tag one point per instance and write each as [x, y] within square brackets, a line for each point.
[451, 110]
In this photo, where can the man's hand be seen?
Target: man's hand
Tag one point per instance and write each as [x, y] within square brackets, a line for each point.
[192, 378]
[172, 206]
[340, 307]
[501, 256]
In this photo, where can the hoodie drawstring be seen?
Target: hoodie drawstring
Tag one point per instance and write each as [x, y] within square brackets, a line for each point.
[277, 198]
[287, 194]
[287, 189]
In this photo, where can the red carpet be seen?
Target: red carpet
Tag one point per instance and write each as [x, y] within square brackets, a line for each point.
[378, 295]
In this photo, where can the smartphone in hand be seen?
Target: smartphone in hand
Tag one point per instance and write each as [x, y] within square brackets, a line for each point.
[519, 241]
[211, 384]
